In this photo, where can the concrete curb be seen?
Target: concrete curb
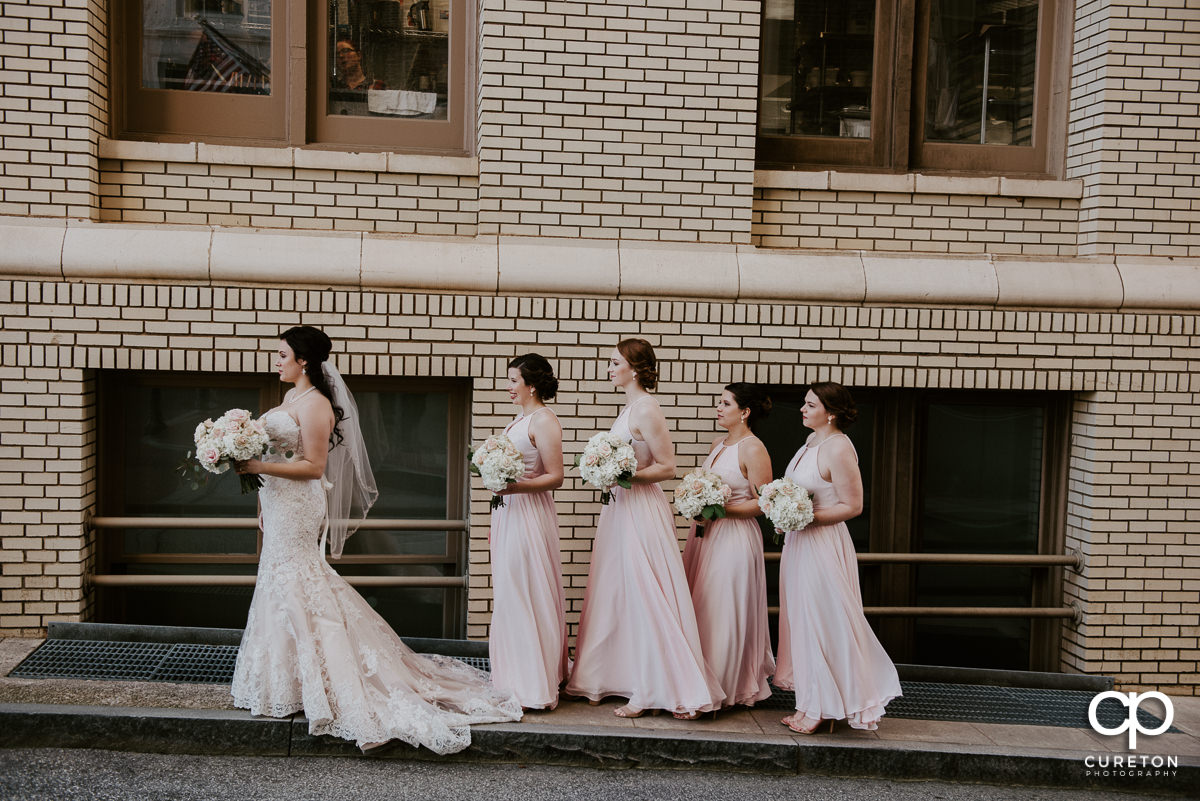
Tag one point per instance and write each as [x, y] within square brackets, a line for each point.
[225, 732]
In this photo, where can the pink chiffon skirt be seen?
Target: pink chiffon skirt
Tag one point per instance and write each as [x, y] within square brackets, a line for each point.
[828, 653]
[528, 639]
[637, 633]
[729, 592]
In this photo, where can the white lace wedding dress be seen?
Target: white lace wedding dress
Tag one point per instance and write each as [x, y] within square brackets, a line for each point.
[312, 643]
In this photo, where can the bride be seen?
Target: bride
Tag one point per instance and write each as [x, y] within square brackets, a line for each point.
[311, 642]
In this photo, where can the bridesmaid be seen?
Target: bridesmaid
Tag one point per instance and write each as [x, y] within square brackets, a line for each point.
[827, 651]
[528, 643]
[725, 566]
[637, 631]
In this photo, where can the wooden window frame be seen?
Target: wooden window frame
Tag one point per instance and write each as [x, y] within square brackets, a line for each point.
[292, 115]
[897, 142]
[333, 130]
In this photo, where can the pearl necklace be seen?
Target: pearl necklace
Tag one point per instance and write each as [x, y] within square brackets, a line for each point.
[301, 395]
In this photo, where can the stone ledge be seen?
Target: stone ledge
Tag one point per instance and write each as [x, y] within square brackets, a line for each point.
[299, 157]
[198, 731]
[81, 250]
[917, 183]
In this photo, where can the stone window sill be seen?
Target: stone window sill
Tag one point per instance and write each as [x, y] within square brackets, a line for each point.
[201, 153]
[917, 183]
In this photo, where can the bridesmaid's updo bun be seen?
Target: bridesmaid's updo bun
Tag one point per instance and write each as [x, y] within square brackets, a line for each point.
[537, 374]
[752, 397]
[640, 355]
[312, 346]
[838, 402]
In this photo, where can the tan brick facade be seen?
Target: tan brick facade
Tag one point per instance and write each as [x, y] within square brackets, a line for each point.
[592, 130]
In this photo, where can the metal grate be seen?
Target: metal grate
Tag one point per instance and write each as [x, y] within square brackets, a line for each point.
[213, 664]
[974, 703]
[129, 661]
[142, 661]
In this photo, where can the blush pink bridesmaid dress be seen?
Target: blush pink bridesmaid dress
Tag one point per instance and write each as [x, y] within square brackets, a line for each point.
[637, 632]
[828, 653]
[729, 591]
[528, 640]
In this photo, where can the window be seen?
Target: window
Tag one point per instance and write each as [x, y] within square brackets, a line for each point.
[953, 85]
[953, 472]
[415, 429]
[353, 73]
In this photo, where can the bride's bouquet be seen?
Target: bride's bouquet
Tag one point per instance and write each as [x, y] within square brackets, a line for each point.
[607, 461]
[786, 505]
[233, 437]
[498, 462]
[701, 496]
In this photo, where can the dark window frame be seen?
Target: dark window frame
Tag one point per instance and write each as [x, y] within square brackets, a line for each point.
[111, 556]
[897, 136]
[293, 114]
[895, 482]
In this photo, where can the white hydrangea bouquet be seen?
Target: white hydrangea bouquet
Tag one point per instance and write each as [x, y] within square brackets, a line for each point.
[607, 461]
[233, 437]
[701, 496]
[498, 462]
[787, 506]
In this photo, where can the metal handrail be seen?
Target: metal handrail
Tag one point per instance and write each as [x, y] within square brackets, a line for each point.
[1011, 559]
[964, 611]
[125, 580]
[370, 524]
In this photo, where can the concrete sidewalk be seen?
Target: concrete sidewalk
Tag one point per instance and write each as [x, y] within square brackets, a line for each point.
[199, 719]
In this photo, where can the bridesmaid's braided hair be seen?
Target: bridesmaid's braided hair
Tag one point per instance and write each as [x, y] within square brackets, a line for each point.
[640, 355]
[752, 397]
[313, 346]
[537, 374]
[838, 401]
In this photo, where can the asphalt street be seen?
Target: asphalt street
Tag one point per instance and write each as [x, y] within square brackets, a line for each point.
[66, 775]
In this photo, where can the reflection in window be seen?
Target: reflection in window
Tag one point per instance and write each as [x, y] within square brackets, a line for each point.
[389, 59]
[148, 427]
[981, 493]
[157, 430]
[207, 46]
[982, 67]
[817, 68]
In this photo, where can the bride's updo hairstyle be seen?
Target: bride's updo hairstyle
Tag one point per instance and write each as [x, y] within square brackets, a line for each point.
[313, 346]
[537, 374]
[838, 402]
[640, 356]
[752, 397]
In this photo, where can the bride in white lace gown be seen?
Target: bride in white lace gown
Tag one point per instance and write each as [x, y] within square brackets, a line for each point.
[311, 642]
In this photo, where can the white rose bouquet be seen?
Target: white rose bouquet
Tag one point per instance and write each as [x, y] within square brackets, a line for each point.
[498, 462]
[607, 461]
[233, 437]
[701, 496]
[786, 505]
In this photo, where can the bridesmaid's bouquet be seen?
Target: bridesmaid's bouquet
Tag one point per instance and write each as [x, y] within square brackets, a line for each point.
[233, 437]
[786, 505]
[498, 462]
[701, 496]
[607, 461]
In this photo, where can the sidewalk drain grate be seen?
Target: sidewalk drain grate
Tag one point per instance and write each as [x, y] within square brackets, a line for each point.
[142, 661]
[974, 703]
[129, 661]
[213, 664]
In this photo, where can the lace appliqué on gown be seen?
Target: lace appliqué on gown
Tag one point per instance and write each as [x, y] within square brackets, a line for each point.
[314, 644]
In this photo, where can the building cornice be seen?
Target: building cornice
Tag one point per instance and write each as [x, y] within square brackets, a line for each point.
[78, 250]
